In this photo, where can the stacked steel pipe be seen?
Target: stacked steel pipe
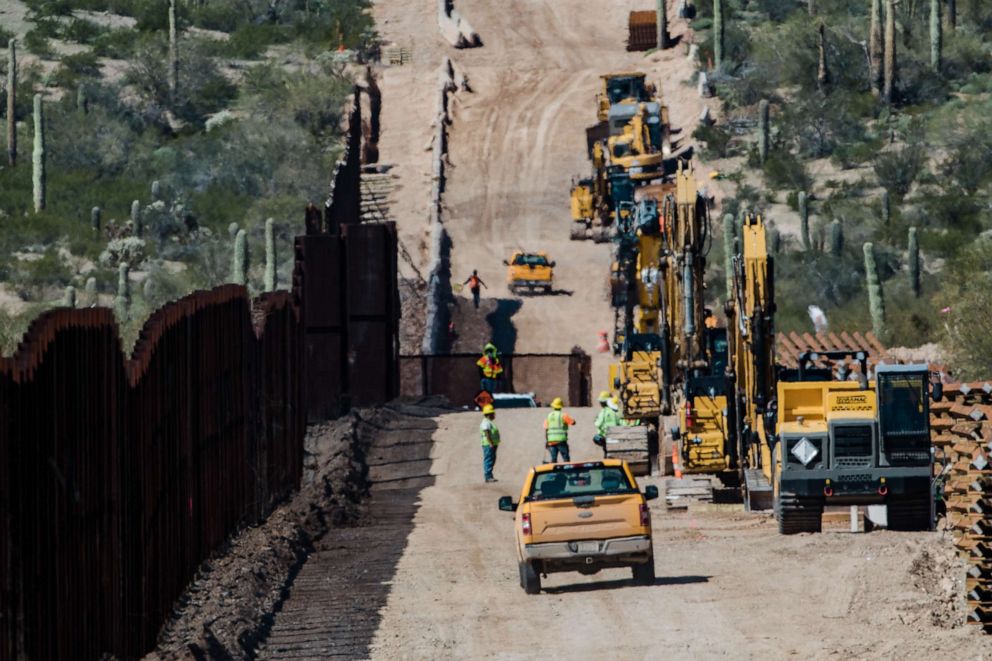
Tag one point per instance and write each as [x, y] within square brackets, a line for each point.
[961, 425]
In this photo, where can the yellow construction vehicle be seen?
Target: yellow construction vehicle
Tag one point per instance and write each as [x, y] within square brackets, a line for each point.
[637, 149]
[672, 357]
[621, 87]
[823, 439]
[752, 368]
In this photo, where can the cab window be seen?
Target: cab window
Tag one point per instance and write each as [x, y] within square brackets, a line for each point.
[569, 481]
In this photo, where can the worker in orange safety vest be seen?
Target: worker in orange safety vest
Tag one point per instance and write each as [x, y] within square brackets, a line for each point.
[490, 368]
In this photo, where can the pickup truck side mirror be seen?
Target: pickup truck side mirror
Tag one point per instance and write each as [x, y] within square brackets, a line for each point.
[553, 264]
[506, 504]
[937, 391]
[506, 263]
[650, 492]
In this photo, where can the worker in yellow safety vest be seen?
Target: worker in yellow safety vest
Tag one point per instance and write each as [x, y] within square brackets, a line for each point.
[556, 431]
[490, 368]
[490, 441]
[609, 416]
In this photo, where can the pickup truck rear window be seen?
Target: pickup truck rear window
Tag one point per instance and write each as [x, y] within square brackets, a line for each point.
[572, 481]
[530, 260]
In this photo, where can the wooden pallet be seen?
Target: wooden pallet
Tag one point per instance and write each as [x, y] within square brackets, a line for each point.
[631, 445]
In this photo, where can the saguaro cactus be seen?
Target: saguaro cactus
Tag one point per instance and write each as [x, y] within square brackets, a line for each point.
[718, 18]
[728, 253]
[875, 46]
[173, 53]
[822, 73]
[95, 218]
[936, 38]
[886, 208]
[239, 264]
[661, 16]
[69, 298]
[136, 218]
[876, 301]
[38, 158]
[82, 100]
[90, 288]
[804, 221]
[270, 255]
[952, 15]
[123, 301]
[888, 86]
[156, 190]
[914, 262]
[836, 238]
[12, 102]
[763, 129]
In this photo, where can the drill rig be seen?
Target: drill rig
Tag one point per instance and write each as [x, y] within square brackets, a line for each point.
[672, 358]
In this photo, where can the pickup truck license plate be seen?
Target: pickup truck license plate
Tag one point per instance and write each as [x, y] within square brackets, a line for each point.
[588, 547]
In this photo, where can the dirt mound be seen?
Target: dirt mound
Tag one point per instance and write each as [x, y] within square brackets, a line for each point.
[939, 574]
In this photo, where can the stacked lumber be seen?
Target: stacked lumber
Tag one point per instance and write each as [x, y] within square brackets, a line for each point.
[631, 445]
[961, 428]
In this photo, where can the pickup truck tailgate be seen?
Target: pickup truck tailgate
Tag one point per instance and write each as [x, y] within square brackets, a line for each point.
[577, 518]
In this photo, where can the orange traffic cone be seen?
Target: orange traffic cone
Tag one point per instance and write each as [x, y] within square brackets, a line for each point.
[676, 462]
[604, 342]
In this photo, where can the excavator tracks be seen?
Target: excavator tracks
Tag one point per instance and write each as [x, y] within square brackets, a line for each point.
[796, 514]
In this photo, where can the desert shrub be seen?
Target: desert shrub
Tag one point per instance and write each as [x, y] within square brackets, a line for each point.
[783, 170]
[897, 169]
[82, 31]
[37, 43]
[716, 138]
[202, 88]
[118, 44]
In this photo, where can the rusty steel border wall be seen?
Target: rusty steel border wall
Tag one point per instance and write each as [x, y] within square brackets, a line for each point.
[118, 477]
[456, 377]
[345, 281]
[961, 426]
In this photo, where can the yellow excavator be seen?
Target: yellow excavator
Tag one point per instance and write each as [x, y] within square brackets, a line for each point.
[816, 436]
[672, 356]
[637, 150]
[752, 368]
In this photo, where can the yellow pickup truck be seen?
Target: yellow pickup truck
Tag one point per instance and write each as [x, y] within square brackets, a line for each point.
[582, 517]
[529, 271]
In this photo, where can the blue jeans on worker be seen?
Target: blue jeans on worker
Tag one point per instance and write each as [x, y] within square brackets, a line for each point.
[490, 385]
[556, 448]
[488, 461]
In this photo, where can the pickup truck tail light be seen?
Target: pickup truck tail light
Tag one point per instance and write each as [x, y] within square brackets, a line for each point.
[525, 524]
[645, 515]
[689, 417]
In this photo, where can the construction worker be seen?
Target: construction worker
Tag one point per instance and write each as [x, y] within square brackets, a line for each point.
[608, 416]
[490, 368]
[473, 283]
[556, 431]
[490, 441]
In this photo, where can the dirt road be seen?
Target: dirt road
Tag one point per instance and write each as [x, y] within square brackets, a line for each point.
[728, 585]
[516, 141]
